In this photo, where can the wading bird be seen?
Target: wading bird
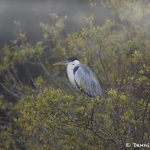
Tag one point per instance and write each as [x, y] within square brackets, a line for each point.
[81, 77]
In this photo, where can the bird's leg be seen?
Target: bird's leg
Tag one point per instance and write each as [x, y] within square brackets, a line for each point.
[84, 114]
[90, 119]
[92, 115]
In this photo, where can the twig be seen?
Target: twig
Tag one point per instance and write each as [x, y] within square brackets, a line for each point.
[12, 77]
[43, 67]
[9, 91]
[144, 115]
[103, 66]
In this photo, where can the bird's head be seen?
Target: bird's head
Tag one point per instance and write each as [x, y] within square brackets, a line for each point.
[69, 61]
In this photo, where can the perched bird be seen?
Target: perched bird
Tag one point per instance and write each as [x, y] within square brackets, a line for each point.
[81, 77]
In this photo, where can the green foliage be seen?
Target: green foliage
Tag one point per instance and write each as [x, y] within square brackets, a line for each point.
[45, 113]
[59, 121]
[19, 52]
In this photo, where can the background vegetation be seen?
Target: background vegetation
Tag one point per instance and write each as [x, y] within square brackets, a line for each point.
[40, 110]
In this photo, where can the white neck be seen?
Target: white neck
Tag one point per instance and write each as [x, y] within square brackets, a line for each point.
[70, 67]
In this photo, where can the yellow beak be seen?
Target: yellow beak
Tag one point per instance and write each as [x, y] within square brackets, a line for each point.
[59, 63]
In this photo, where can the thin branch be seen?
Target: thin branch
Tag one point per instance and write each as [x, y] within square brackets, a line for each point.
[103, 66]
[12, 77]
[144, 115]
[92, 114]
[46, 71]
[146, 107]
[30, 76]
[103, 138]
[9, 91]
[43, 67]
[16, 76]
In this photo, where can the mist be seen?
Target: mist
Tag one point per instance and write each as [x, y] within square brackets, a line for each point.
[29, 14]
[40, 108]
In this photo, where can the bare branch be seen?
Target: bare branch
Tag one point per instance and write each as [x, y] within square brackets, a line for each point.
[9, 91]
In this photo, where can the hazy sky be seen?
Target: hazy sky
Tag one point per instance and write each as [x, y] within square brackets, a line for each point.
[31, 13]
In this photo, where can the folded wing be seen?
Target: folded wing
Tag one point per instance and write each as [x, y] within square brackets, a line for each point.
[86, 81]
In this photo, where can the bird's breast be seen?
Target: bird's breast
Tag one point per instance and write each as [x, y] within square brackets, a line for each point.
[70, 74]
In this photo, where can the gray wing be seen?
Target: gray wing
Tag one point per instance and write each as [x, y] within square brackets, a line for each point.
[87, 82]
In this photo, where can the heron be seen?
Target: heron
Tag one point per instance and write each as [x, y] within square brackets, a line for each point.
[81, 77]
